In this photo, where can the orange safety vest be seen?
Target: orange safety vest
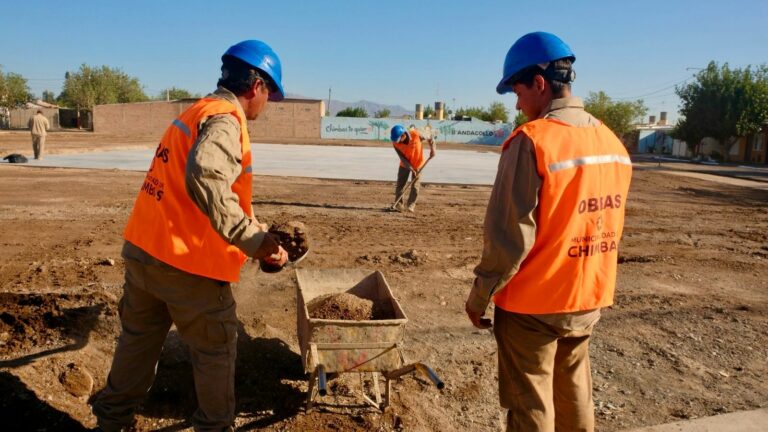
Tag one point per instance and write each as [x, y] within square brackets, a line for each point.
[166, 223]
[586, 173]
[412, 150]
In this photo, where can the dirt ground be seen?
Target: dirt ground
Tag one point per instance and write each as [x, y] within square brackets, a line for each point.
[687, 338]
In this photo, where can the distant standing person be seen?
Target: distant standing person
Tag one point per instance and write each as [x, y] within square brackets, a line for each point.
[551, 233]
[38, 126]
[408, 146]
[191, 229]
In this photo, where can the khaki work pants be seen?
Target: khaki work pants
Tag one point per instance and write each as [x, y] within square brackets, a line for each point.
[402, 178]
[544, 375]
[155, 296]
[38, 145]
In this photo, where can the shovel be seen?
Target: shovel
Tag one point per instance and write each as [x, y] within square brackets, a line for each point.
[410, 184]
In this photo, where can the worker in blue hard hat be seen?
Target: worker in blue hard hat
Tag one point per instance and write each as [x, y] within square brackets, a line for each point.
[551, 232]
[191, 229]
[409, 148]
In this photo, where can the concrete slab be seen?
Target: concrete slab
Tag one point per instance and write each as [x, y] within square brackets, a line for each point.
[337, 162]
[744, 421]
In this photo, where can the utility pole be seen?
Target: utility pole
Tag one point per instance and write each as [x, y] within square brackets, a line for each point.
[328, 110]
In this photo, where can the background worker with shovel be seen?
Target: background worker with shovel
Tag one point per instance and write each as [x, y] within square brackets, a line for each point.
[408, 146]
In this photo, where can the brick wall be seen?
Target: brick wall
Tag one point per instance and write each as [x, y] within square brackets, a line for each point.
[19, 118]
[290, 118]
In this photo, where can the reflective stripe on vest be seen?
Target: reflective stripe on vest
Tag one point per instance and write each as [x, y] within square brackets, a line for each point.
[166, 223]
[571, 267]
[589, 160]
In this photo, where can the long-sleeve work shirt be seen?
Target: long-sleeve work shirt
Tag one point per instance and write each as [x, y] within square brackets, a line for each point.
[511, 217]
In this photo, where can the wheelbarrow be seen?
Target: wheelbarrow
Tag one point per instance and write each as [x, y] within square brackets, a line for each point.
[343, 346]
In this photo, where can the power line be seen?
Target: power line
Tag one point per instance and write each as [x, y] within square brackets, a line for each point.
[653, 87]
[659, 96]
[656, 91]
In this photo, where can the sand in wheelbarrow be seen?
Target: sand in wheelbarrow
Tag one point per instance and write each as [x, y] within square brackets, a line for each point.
[346, 306]
[292, 236]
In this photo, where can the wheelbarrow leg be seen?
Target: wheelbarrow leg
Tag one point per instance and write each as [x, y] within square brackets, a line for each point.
[376, 401]
[376, 389]
[311, 389]
[387, 391]
[376, 393]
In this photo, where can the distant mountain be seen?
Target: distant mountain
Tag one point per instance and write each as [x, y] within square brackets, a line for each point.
[369, 106]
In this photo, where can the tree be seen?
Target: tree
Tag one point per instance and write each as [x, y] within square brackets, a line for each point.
[173, 93]
[724, 104]
[382, 113]
[520, 119]
[14, 90]
[497, 112]
[91, 86]
[49, 97]
[471, 112]
[352, 112]
[429, 112]
[619, 116]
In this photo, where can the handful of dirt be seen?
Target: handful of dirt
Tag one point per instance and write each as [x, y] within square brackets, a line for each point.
[343, 306]
[292, 236]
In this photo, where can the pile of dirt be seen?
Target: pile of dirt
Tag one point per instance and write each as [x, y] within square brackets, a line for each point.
[33, 320]
[368, 258]
[347, 306]
[293, 237]
[409, 258]
[343, 306]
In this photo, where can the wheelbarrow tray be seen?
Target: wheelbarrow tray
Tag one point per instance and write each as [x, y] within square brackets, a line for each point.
[346, 345]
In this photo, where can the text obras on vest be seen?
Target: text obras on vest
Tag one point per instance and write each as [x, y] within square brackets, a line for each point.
[599, 203]
[160, 153]
[153, 187]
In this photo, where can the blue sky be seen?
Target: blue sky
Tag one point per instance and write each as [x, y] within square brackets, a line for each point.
[392, 52]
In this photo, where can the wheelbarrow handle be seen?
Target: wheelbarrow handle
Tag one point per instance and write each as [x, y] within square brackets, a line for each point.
[429, 373]
[321, 381]
[421, 368]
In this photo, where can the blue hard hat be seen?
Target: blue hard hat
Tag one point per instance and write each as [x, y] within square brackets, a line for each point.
[397, 132]
[532, 49]
[259, 55]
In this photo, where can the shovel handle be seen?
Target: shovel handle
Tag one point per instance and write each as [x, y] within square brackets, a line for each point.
[411, 183]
